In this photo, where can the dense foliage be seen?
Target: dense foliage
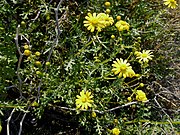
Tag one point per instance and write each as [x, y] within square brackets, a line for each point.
[88, 67]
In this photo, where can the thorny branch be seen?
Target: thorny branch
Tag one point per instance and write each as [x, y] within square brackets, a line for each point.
[161, 108]
[20, 59]
[8, 121]
[26, 40]
[21, 122]
[159, 95]
[36, 16]
[18, 75]
[55, 42]
[169, 118]
[58, 30]
[97, 111]
[118, 107]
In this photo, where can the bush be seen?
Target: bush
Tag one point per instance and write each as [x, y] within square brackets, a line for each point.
[87, 67]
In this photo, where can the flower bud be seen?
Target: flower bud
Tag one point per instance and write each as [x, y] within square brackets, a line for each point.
[37, 54]
[23, 24]
[141, 85]
[93, 114]
[38, 63]
[118, 17]
[115, 121]
[26, 47]
[129, 99]
[108, 11]
[27, 52]
[39, 73]
[112, 36]
[107, 4]
[48, 63]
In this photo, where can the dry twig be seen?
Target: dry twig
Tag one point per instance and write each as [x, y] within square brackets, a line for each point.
[8, 120]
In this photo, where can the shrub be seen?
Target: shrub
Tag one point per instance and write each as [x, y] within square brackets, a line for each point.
[87, 67]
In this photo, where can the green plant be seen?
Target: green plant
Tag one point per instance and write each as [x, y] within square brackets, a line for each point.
[93, 62]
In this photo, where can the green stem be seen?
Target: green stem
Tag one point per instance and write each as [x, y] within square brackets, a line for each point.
[84, 47]
[10, 106]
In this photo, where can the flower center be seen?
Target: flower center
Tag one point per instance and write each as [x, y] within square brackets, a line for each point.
[84, 99]
[94, 21]
[144, 55]
[123, 67]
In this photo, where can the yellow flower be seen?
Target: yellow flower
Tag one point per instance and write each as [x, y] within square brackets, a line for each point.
[140, 96]
[145, 56]
[122, 25]
[93, 22]
[171, 3]
[122, 68]
[84, 100]
[106, 19]
[115, 131]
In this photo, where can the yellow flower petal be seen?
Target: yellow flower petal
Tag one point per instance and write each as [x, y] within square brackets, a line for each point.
[84, 100]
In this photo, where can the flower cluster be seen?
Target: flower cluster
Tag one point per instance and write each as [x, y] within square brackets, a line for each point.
[171, 3]
[122, 25]
[84, 100]
[140, 96]
[106, 19]
[145, 56]
[122, 68]
[97, 22]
